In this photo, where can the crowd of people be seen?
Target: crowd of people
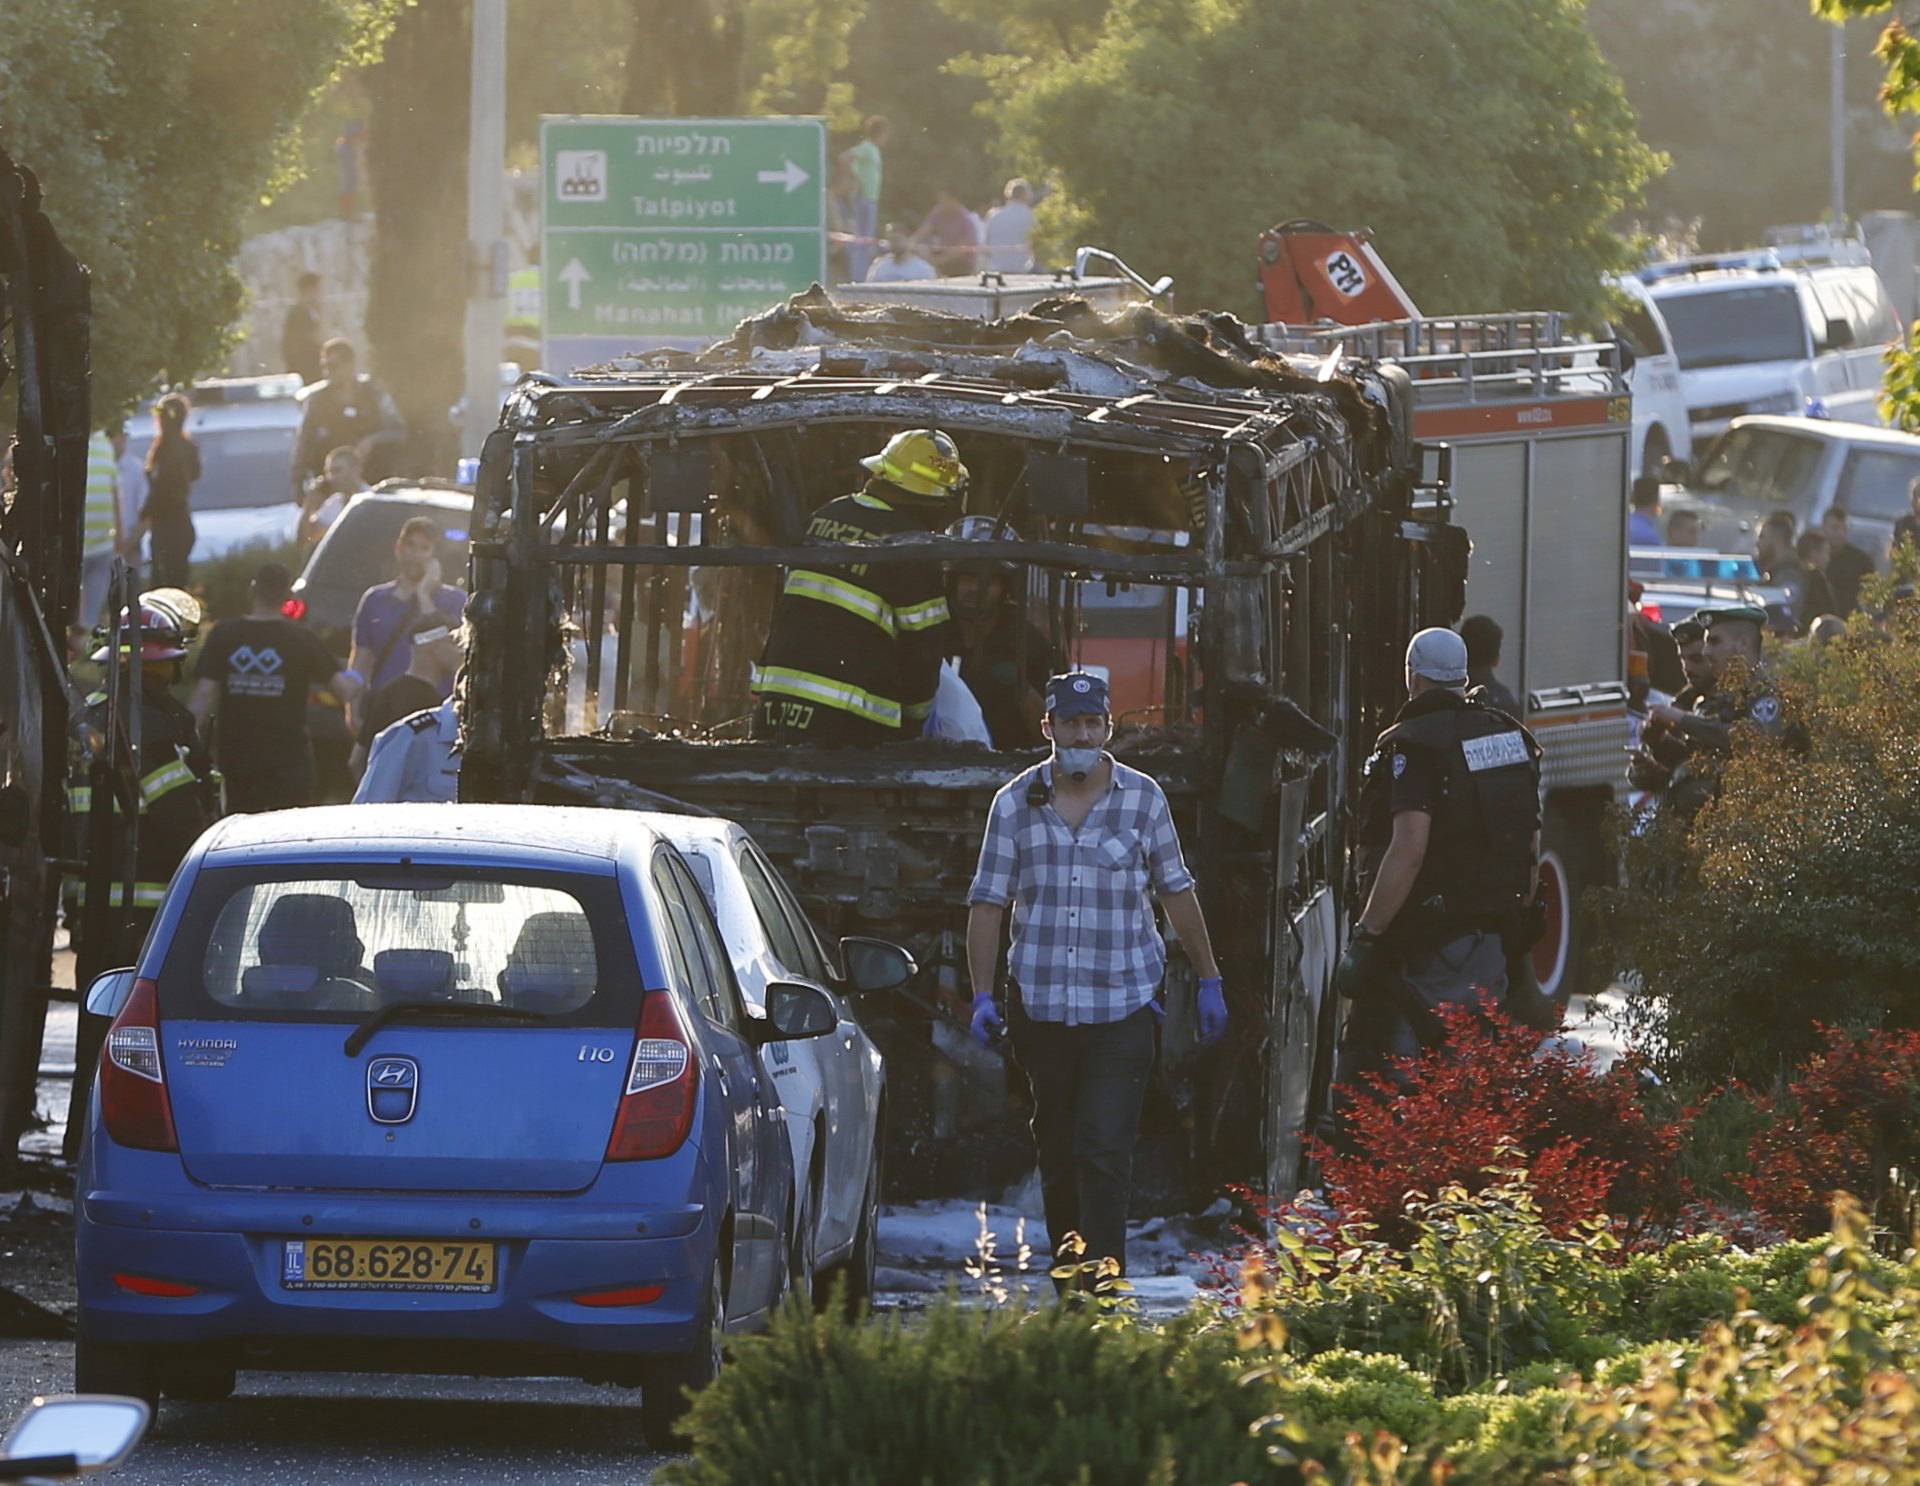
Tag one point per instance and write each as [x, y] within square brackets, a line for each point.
[951, 238]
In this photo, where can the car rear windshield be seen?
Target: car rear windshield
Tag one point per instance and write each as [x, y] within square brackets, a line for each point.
[315, 943]
[1732, 327]
[358, 550]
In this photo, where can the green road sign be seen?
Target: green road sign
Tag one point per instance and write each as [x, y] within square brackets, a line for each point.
[670, 231]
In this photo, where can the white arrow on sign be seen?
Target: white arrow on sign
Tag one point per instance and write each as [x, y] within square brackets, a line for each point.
[791, 173]
[573, 276]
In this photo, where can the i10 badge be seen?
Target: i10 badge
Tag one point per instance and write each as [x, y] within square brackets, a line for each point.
[393, 1089]
[595, 1055]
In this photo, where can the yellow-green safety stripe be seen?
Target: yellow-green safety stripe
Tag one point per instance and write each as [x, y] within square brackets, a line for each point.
[827, 589]
[161, 782]
[919, 711]
[874, 501]
[145, 894]
[917, 617]
[786, 681]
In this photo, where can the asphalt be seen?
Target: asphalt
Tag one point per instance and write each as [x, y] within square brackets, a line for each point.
[373, 1429]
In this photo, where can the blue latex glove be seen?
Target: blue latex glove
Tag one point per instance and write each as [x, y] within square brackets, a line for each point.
[1213, 1009]
[986, 1025]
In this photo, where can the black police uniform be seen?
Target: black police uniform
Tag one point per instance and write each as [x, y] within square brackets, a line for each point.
[1475, 770]
[853, 654]
[343, 413]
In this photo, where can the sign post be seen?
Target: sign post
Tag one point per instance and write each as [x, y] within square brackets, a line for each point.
[669, 232]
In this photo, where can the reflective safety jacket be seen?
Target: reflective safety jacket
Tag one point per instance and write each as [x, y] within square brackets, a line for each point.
[865, 640]
[178, 798]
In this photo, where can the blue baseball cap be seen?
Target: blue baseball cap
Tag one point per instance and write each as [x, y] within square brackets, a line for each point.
[1076, 694]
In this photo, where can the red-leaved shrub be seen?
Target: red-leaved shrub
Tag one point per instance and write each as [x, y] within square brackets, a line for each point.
[1849, 1119]
[1590, 1146]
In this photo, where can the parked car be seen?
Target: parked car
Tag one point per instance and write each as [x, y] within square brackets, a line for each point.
[439, 1088]
[1677, 581]
[1662, 431]
[1801, 465]
[246, 428]
[355, 553]
[832, 1088]
[1790, 329]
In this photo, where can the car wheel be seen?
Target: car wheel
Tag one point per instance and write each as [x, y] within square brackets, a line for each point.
[109, 1367]
[803, 1245]
[856, 1275]
[667, 1383]
[200, 1376]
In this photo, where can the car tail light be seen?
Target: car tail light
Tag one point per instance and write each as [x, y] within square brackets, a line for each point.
[1653, 612]
[133, 1080]
[663, 1085]
[294, 608]
[631, 1295]
[143, 1284]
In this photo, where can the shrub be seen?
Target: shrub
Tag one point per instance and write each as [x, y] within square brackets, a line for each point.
[222, 582]
[1850, 1121]
[1588, 1143]
[1791, 898]
[1063, 1394]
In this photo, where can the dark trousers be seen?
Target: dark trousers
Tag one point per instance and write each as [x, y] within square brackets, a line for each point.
[287, 786]
[172, 538]
[1089, 1082]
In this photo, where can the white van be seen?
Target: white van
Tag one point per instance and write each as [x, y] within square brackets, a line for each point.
[1661, 428]
[1775, 331]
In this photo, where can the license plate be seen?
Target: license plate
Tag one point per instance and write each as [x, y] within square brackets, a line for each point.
[386, 1264]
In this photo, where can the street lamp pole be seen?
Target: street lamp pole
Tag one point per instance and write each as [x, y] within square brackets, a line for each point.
[486, 215]
[1838, 55]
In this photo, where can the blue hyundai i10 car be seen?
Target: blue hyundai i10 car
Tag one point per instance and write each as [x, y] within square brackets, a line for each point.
[441, 1088]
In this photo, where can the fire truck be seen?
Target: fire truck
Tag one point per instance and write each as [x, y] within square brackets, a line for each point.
[1536, 424]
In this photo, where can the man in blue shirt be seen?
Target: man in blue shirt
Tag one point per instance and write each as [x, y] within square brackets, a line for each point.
[383, 623]
[1643, 526]
[1079, 846]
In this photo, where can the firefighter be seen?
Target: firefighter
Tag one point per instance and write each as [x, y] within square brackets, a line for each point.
[853, 654]
[1448, 834]
[178, 799]
[178, 787]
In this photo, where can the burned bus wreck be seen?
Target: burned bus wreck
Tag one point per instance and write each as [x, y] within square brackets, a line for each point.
[1238, 539]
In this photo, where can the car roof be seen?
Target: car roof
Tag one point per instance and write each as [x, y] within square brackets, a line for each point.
[1708, 281]
[710, 830]
[1830, 430]
[549, 837]
[416, 495]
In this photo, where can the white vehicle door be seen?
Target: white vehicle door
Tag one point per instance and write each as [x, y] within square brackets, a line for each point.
[850, 1112]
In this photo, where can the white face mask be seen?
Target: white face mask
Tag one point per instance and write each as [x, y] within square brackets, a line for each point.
[1076, 763]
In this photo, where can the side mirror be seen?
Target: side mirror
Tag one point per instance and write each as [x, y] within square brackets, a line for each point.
[93, 1431]
[876, 964]
[109, 992]
[796, 1012]
[1674, 471]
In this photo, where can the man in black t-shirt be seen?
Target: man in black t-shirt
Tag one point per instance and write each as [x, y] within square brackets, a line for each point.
[434, 645]
[253, 675]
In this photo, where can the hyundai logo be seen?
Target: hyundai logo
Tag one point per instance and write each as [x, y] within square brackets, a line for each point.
[393, 1088]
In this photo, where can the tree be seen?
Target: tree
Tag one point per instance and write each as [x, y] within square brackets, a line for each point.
[154, 129]
[685, 58]
[1486, 142]
[417, 167]
[1737, 94]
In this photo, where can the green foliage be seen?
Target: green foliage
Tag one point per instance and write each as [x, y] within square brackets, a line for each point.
[223, 583]
[1789, 900]
[154, 129]
[960, 1395]
[1486, 142]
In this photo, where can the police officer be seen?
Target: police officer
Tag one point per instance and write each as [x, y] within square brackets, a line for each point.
[346, 410]
[853, 654]
[416, 758]
[1743, 687]
[1663, 750]
[1448, 833]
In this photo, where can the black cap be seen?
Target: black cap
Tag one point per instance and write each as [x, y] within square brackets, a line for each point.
[271, 581]
[1689, 632]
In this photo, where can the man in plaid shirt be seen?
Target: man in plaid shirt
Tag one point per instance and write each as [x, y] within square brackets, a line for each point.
[1079, 846]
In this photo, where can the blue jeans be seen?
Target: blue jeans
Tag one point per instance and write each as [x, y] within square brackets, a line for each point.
[866, 224]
